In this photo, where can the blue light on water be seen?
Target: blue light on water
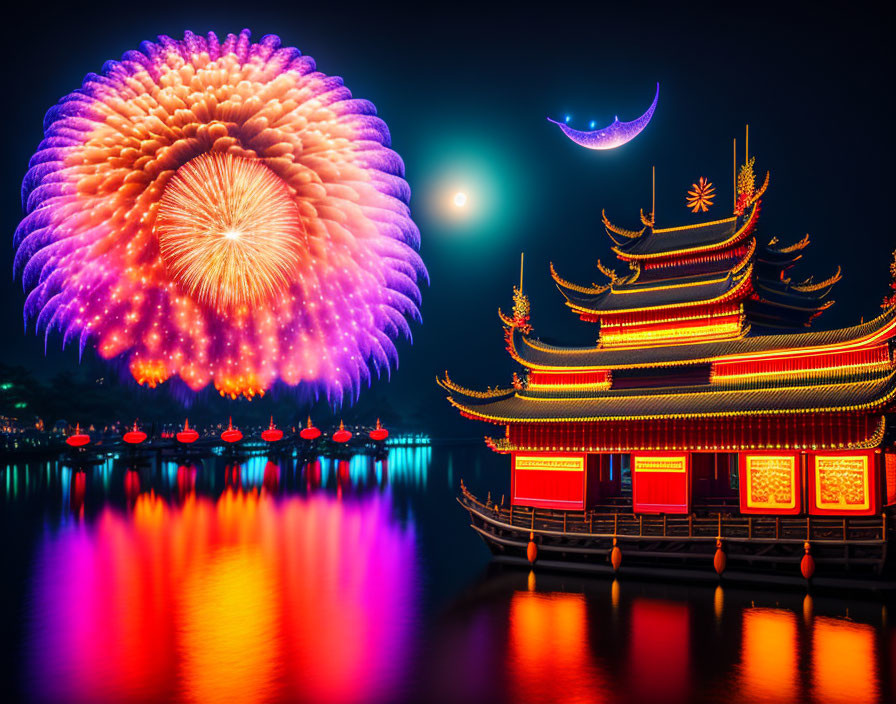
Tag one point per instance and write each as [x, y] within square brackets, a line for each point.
[252, 474]
[169, 471]
[65, 479]
[413, 440]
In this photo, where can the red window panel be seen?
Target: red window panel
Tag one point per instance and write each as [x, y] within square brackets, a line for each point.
[661, 482]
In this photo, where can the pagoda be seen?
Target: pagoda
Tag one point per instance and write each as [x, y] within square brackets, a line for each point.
[707, 400]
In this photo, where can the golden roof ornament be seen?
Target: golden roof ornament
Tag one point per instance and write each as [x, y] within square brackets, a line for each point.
[747, 193]
[520, 308]
[701, 195]
[890, 301]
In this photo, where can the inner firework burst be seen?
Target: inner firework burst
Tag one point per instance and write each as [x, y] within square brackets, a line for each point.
[229, 231]
[219, 211]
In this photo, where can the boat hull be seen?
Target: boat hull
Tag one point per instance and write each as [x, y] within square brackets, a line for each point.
[757, 548]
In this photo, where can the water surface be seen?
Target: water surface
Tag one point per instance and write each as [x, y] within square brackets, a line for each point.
[271, 580]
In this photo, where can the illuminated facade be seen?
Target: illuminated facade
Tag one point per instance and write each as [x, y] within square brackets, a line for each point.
[706, 397]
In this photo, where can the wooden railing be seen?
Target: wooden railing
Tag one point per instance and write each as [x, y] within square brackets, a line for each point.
[731, 527]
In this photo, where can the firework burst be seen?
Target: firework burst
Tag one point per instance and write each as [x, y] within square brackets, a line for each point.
[221, 212]
[701, 195]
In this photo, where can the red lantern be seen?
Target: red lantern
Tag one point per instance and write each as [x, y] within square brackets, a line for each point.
[187, 435]
[379, 433]
[342, 435]
[309, 432]
[231, 434]
[78, 439]
[720, 559]
[532, 549]
[134, 436]
[272, 434]
[615, 556]
[807, 564]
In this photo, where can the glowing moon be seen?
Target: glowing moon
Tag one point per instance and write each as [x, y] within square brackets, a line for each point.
[460, 199]
[615, 134]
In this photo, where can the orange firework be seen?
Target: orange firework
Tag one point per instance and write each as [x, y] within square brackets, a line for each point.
[700, 196]
[229, 231]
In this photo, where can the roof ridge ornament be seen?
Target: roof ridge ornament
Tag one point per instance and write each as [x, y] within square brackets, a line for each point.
[608, 272]
[621, 231]
[747, 193]
[520, 318]
[592, 290]
[808, 286]
[890, 301]
[647, 220]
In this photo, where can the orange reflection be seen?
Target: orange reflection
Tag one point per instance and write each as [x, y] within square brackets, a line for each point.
[248, 598]
[769, 655]
[843, 661]
[660, 651]
[548, 649]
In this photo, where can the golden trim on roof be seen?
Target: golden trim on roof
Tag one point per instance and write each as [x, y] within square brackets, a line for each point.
[508, 321]
[738, 234]
[807, 286]
[450, 386]
[621, 231]
[607, 271]
[743, 282]
[861, 341]
[795, 247]
[869, 405]
[694, 226]
[592, 290]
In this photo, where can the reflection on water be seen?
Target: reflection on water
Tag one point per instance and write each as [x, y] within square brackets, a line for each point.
[843, 662]
[244, 598]
[548, 644]
[269, 579]
[659, 652]
[769, 655]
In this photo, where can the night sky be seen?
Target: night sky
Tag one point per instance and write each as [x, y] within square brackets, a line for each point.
[465, 91]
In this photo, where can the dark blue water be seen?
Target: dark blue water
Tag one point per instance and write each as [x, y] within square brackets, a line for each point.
[270, 580]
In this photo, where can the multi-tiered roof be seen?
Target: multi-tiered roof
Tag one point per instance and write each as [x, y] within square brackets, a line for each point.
[711, 280]
[706, 333]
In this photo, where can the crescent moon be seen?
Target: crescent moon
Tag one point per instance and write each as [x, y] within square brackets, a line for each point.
[615, 134]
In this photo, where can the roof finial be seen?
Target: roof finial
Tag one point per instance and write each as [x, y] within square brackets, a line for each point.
[653, 194]
[522, 254]
[734, 173]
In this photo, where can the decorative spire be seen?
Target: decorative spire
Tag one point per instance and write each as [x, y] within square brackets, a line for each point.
[890, 301]
[520, 317]
[747, 193]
